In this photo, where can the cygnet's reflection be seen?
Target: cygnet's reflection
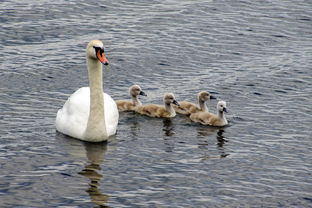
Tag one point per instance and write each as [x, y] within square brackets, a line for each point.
[95, 154]
[134, 129]
[221, 140]
[203, 133]
[168, 129]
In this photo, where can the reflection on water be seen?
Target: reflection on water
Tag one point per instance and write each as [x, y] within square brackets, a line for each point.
[221, 140]
[95, 154]
[168, 127]
[134, 128]
[204, 135]
[205, 131]
[253, 54]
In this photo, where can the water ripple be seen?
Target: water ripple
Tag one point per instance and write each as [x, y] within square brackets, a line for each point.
[255, 55]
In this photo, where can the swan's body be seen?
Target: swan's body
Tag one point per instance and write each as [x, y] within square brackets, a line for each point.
[211, 119]
[89, 114]
[188, 108]
[159, 111]
[125, 105]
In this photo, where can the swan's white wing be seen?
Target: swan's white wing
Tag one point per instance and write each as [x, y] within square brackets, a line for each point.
[72, 119]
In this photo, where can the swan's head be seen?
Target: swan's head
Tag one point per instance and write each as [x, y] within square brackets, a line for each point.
[136, 90]
[205, 96]
[169, 98]
[95, 50]
[221, 106]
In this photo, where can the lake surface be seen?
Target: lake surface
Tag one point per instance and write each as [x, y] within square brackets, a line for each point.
[256, 55]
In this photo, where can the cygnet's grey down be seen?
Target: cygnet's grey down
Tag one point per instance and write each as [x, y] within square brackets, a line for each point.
[126, 105]
[160, 111]
[211, 119]
[188, 108]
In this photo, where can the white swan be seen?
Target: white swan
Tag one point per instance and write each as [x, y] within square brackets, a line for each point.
[89, 116]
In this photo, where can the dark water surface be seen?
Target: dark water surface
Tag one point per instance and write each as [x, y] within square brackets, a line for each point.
[256, 55]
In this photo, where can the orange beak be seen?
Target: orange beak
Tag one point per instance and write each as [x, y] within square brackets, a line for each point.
[102, 57]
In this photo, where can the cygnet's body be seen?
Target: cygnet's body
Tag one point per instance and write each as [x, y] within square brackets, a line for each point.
[159, 111]
[211, 119]
[188, 108]
[125, 105]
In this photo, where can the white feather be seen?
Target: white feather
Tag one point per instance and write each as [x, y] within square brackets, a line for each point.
[72, 119]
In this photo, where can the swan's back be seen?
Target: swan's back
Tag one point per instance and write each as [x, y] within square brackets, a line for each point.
[72, 119]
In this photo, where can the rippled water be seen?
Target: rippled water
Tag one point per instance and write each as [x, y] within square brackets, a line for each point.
[256, 55]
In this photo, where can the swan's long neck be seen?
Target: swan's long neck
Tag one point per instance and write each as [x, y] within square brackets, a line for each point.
[96, 128]
[202, 105]
[170, 109]
[136, 101]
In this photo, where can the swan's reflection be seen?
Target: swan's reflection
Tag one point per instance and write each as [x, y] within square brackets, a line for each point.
[95, 154]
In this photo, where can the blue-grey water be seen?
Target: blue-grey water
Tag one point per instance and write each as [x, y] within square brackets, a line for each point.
[256, 55]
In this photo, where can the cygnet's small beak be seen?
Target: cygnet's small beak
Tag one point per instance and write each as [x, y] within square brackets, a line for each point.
[100, 55]
[143, 93]
[225, 110]
[176, 102]
[213, 97]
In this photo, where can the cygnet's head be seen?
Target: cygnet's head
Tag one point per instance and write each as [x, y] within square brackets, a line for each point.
[95, 50]
[169, 98]
[205, 96]
[221, 106]
[136, 90]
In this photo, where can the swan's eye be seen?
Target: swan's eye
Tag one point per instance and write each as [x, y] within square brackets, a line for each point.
[98, 49]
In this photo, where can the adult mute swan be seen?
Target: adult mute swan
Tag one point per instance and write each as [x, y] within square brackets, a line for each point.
[90, 114]
[187, 108]
[125, 105]
[211, 119]
[159, 111]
